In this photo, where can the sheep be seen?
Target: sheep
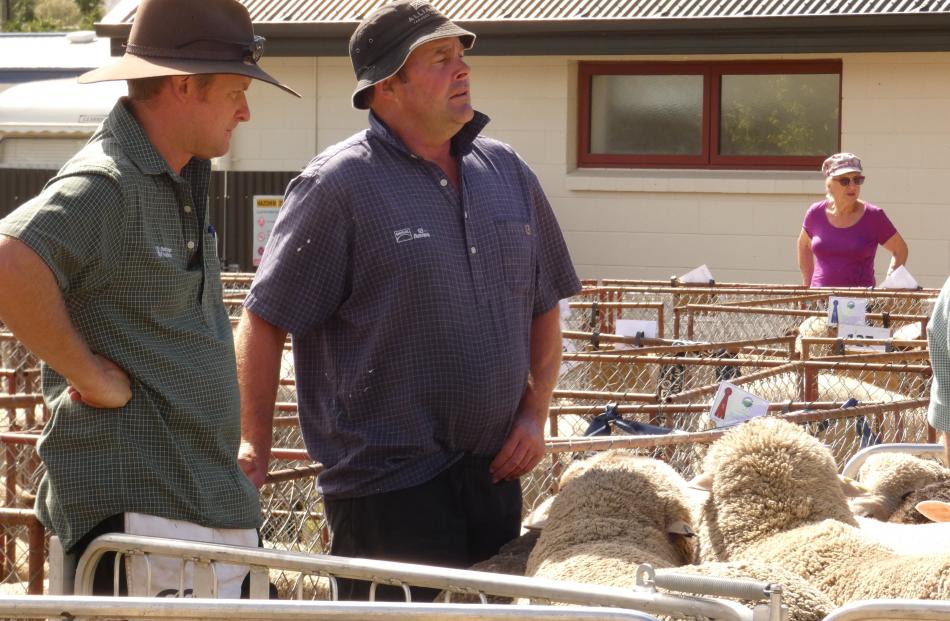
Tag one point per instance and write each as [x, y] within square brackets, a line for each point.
[512, 559]
[814, 327]
[889, 477]
[804, 601]
[614, 511]
[775, 498]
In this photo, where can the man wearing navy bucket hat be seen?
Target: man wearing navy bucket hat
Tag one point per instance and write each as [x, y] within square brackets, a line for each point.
[112, 279]
[418, 266]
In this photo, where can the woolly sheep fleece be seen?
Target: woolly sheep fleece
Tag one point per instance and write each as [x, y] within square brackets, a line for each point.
[891, 476]
[768, 476]
[776, 499]
[611, 514]
[804, 601]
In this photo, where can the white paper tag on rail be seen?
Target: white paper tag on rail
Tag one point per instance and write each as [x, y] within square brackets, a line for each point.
[863, 332]
[850, 311]
[733, 405]
[630, 327]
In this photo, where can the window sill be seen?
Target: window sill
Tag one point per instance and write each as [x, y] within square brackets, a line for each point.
[796, 182]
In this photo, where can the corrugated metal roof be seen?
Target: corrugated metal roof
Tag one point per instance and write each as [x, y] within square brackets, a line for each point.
[337, 11]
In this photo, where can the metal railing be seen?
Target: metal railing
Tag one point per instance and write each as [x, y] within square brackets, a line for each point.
[200, 609]
[203, 556]
[854, 464]
[892, 610]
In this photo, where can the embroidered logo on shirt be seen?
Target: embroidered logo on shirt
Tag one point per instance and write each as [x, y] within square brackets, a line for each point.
[404, 235]
[163, 253]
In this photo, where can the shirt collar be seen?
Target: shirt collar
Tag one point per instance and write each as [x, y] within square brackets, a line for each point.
[135, 143]
[461, 142]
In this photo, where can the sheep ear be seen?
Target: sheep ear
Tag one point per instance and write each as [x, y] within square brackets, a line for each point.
[679, 527]
[934, 510]
[702, 481]
[538, 518]
[851, 488]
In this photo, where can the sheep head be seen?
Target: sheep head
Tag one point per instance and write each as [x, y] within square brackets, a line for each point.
[764, 477]
[890, 477]
[621, 497]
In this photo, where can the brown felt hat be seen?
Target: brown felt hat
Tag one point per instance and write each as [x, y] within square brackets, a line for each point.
[188, 37]
[387, 35]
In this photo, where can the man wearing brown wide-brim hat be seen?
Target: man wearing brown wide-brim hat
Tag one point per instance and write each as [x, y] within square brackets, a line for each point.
[111, 277]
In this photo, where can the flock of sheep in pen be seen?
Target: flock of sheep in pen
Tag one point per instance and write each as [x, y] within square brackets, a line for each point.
[761, 500]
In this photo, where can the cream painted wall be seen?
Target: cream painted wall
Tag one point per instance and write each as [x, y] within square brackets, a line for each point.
[657, 223]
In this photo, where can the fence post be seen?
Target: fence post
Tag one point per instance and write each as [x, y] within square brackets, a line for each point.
[811, 384]
[62, 568]
[36, 557]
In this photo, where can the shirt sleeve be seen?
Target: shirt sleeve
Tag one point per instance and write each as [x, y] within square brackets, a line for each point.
[304, 273]
[76, 226]
[555, 278]
[885, 228]
[809, 223]
[938, 413]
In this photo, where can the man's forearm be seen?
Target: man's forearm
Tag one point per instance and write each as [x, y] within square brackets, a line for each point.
[259, 346]
[546, 350]
[34, 310]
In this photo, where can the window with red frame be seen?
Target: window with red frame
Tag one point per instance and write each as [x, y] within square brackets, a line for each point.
[783, 115]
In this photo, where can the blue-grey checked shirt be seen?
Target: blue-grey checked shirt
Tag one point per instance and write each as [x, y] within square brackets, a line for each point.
[410, 303]
[937, 337]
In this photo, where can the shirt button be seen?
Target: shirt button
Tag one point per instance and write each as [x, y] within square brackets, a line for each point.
[187, 208]
[191, 245]
[414, 156]
[472, 249]
[444, 183]
[466, 215]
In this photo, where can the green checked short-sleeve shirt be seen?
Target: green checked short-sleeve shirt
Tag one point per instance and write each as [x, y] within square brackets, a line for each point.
[939, 346]
[131, 248]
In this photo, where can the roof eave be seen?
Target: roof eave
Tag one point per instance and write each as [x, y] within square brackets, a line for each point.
[797, 34]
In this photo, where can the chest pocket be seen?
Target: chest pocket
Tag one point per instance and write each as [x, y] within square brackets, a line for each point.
[516, 243]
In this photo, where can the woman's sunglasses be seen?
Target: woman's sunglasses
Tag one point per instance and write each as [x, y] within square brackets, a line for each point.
[846, 181]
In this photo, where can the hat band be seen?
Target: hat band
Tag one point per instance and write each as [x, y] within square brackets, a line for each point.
[238, 55]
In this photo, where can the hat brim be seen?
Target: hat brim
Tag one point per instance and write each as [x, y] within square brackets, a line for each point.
[132, 67]
[447, 30]
[844, 171]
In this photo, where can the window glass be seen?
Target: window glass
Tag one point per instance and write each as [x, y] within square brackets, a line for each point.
[779, 115]
[646, 114]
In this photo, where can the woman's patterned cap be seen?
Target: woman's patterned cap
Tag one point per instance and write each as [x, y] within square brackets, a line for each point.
[840, 164]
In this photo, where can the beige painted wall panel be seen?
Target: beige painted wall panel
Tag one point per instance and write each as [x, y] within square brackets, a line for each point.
[654, 223]
[600, 213]
[281, 132]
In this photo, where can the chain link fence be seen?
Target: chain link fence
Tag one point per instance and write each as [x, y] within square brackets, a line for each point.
[772, 341]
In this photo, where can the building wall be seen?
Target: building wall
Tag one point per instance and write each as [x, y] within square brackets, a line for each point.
[652, 223]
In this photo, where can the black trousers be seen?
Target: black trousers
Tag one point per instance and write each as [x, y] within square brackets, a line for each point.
[454, 520]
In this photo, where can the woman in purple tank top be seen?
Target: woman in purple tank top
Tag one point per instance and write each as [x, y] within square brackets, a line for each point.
[841, 234]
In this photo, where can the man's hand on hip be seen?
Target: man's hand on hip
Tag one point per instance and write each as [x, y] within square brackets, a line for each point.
[522, 451]
[106, 386]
